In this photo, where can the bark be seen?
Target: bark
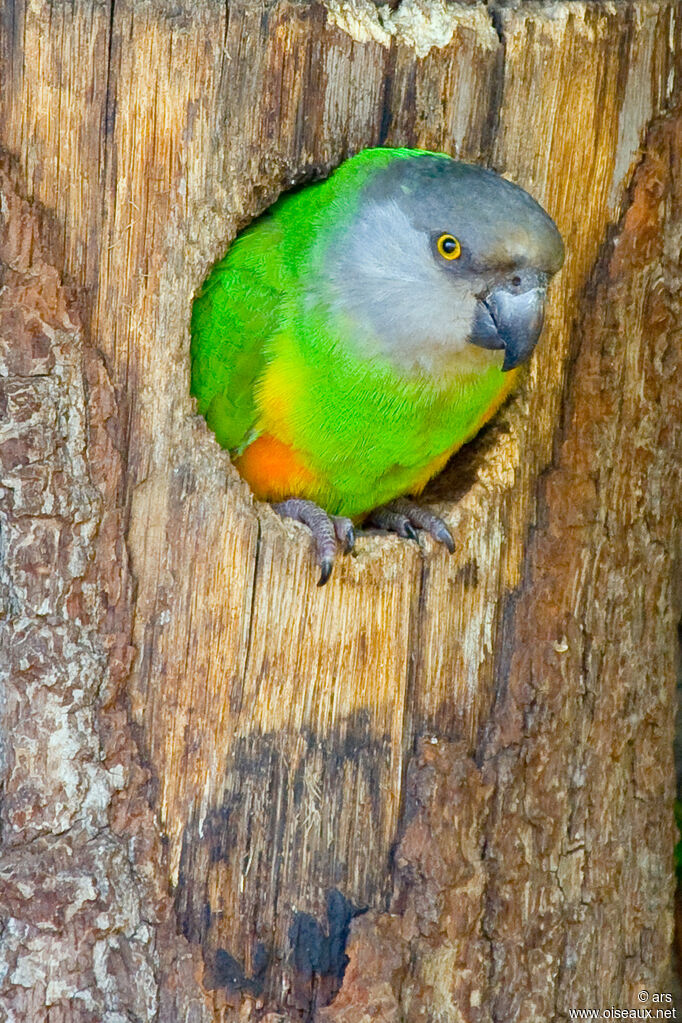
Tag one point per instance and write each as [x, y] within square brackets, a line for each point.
[441, 784]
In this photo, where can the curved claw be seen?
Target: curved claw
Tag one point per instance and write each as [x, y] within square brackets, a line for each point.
[403, 517]
[408, 530]
[440, 532]
[327, 531]
[393, 520]
[326, 566]
[345, 532]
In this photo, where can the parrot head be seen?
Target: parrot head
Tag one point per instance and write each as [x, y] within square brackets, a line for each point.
[439, 266]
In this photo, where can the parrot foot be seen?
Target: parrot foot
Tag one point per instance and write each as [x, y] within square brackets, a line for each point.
[327, 530]
[345, 532]
[404, 517]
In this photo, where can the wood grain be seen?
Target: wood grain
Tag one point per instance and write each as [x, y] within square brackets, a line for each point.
[562, 805]
[81, 905]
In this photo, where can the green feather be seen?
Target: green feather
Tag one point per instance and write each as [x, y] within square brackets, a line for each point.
[234, 314]
[364, 430]
[237, 311]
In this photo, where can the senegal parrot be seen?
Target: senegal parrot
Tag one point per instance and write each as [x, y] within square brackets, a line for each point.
[363, 329]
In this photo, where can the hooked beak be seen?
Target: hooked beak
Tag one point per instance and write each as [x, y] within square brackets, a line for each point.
[510, 320]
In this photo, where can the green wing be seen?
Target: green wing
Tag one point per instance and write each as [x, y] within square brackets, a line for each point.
[234, 314]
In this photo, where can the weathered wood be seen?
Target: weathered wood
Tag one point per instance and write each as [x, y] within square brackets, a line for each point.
[546, 891]
[82, 907]
[276, 718]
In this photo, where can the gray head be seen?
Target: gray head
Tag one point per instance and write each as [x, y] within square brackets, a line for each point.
[442, 266]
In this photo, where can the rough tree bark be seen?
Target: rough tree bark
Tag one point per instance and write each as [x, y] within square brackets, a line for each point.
[210, 766]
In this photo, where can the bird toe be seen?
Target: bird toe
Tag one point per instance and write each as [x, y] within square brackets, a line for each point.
[320, 525]
[405, 517]
[345, 532]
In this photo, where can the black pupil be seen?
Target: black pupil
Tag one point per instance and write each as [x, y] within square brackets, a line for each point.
[449, 245]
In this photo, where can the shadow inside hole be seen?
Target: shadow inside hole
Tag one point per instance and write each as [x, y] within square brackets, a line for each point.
[464, 468]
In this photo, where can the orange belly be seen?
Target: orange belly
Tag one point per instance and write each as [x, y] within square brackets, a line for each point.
[273, 470]
[276, 471]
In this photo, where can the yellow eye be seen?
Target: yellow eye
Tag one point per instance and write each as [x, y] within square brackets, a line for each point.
[449, 247]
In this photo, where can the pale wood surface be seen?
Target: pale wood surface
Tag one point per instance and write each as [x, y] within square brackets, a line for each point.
[276, 718]
[520, 890]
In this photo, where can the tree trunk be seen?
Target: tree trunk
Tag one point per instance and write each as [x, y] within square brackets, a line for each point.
[449, 777]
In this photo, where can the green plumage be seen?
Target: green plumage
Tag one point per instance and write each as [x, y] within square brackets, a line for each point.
[234, 315]
[249, 294]
[270, 355]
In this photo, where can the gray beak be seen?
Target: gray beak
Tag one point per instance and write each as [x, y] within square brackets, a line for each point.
[511, 320]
